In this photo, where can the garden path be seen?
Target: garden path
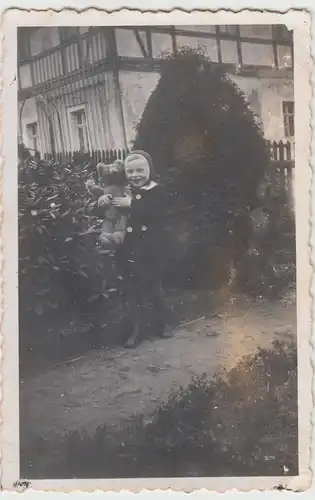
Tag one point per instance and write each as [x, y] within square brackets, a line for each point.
[111, 387]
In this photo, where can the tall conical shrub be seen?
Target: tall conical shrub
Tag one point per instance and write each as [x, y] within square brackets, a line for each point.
[211, 156]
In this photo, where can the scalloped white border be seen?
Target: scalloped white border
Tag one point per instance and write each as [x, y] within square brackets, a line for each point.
[294, 19]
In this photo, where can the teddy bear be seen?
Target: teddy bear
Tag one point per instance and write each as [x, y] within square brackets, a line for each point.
[114, 224]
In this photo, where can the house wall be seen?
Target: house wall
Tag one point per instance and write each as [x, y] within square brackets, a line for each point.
[103, 108]
[113, 108]
[273, 93]
[98, 96]
[136, 88]
[256, 49]
[101, 104]
[265, 97]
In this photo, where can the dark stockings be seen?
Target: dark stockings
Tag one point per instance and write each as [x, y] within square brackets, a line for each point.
[135, 302]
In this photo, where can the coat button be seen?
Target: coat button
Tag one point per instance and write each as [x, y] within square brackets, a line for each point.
[144, 228]
[138, 196]
[129, 229]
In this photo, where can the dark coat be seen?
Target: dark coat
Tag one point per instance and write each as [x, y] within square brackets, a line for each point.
[141, 257]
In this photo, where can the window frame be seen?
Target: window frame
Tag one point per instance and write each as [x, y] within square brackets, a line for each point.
[228, 29]
[33, 139]
[282, 34]
[288, 120]
[74, 127]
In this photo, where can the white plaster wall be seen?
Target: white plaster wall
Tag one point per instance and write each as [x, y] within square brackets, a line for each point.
[252, 90]
[127, 44]
[136, 88]
[110, 116]
[265, 96]
[271, 93]
[161, 42]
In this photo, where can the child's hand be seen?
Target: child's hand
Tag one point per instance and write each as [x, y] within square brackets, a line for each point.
[122, 202]
[104, 201]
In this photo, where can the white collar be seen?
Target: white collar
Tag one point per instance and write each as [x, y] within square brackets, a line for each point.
[149, 186]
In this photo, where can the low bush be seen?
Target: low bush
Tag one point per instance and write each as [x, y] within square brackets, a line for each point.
[241, 423]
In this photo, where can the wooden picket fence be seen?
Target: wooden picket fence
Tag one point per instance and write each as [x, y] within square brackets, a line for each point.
[281, 171]
[96, 156]
[281, 166]
[281, 151]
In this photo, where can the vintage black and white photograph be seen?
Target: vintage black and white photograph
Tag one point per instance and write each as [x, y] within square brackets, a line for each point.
[157, 304]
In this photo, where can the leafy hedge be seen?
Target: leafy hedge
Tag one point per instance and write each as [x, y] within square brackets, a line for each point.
[207, 146]
[209, 152]
[60, 264]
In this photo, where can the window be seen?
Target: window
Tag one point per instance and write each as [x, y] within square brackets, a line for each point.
[284, 55]
[161, 42]
[205, 28]
[227, 28]
[229, 51]
[68, 32]
[256, 31]
[257, 54]
[79, 117]
[282, 33]
[32, 136]
[79, 129]
[127, 44]
[288, 118]
[208, 45]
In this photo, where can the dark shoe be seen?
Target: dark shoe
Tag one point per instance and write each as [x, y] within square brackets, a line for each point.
[133, 341]
[165, 332]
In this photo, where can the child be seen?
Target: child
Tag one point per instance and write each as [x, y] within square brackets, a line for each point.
[140, 257]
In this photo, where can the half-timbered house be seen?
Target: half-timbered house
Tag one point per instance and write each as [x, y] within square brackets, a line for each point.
[86, 87]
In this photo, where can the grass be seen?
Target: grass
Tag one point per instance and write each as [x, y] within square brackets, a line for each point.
[242, 423]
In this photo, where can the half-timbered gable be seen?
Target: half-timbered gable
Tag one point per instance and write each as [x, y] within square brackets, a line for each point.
[89, 85]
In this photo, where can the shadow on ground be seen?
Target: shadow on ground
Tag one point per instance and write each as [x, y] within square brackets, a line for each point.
[240, 424]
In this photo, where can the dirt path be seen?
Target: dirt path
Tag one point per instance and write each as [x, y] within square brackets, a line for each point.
[110, 387]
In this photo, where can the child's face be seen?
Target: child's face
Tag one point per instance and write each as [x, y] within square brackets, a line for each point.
[137, 171]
